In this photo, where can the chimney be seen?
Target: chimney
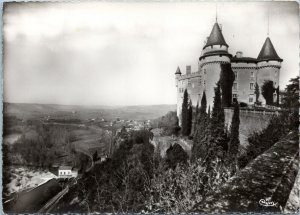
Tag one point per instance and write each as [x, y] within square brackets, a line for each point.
[188, 69]
[239, 54]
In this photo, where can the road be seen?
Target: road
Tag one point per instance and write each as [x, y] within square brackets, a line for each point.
[31, 201]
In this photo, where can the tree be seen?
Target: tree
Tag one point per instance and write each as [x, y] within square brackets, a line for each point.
[199, 147]
[217, 116]
[267, 91]
[226, 83]
[291, 98]
[190, 118]
[184, 115]
[197, 110]
[95, 156]
[256, 91]
[234, 133]
[203, 103]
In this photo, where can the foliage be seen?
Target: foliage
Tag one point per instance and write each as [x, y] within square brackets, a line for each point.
[267, 91]
[243, 104]
[169, 123]
[42, 149]
[217, 121]
[211, 140]
[256, 92]
[291, 98]
[190, 118]
[11, 124]
[226, 83]
[175, 155]
[6, 172]
[203, 103]
[184, 115]
[234, 141]
[178, 190]
[278, 128]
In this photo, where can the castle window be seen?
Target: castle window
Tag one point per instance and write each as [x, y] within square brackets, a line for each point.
[235, 75]
[193, 85]
[251, 98]
[251, 86]
[235, 86]
[274, 97]
[252, 74]
[234, 97]
[189, 82]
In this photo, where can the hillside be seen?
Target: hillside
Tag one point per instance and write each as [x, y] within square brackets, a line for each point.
[26, 111]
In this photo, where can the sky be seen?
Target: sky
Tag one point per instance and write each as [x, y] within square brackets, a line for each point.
[105, 53]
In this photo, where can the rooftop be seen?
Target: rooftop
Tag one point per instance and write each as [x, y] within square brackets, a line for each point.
[244, 59]
[215, 37]
[178, 71]
[268, 52]
[65, 168]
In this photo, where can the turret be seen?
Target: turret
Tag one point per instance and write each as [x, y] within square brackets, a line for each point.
[214, 53]
[268, 66]
[177, 75]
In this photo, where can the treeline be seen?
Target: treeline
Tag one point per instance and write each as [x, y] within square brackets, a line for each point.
[44, 148]
[168, 123]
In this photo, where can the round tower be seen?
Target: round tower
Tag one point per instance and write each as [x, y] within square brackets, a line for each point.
[179, 93]
[268, 68]
[214, 53]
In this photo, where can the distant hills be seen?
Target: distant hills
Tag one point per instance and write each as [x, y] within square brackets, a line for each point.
[142, 112]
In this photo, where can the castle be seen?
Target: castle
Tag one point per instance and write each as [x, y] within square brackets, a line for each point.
[247, 72]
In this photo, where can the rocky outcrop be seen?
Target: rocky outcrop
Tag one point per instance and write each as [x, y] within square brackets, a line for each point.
[262, 186]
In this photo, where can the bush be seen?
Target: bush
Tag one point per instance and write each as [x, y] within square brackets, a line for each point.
[178, 190]
[169, 123]
[243, 104]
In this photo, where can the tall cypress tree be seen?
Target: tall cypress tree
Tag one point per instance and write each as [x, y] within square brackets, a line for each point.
[203, 103]
[184, 114]
[256, 91]
[234, 132]
[197, 109]
[190, 118]
[199, 147]
[217, 116]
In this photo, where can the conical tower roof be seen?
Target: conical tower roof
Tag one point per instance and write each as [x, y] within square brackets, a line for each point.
[215, 37]
[178, 71]
[268, 52]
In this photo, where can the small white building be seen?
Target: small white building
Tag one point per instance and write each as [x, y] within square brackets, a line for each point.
[67, 172]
